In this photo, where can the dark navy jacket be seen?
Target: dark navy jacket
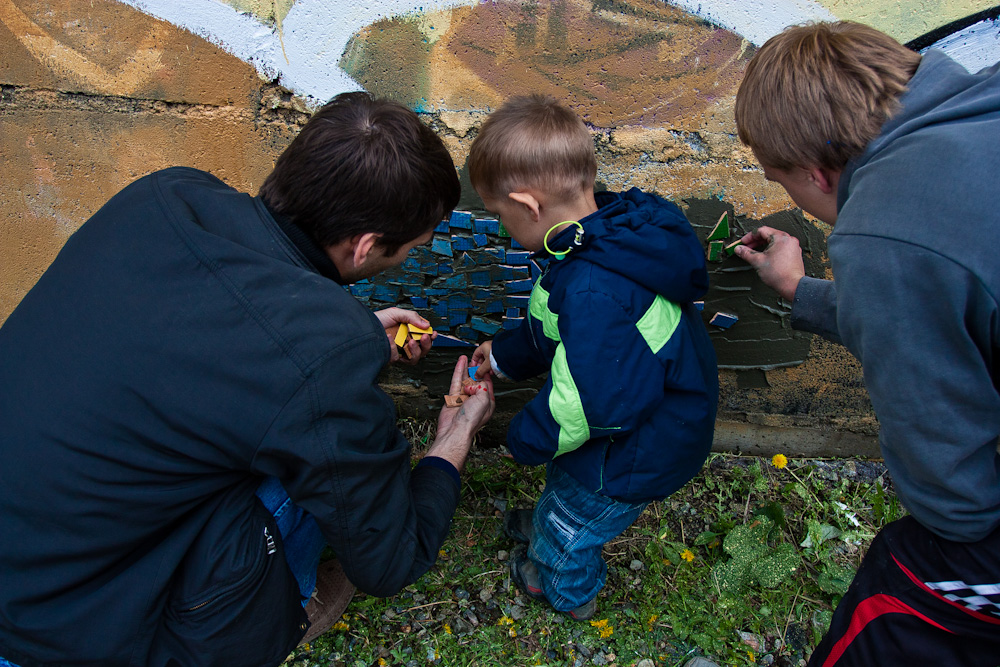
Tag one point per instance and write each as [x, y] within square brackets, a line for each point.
[180, 348]
[629, 406]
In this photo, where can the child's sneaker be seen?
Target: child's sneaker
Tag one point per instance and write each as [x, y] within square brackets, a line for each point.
[524, 574]
[517, 525]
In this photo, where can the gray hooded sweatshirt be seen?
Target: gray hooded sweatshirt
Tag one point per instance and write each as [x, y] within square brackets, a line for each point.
[916, 293]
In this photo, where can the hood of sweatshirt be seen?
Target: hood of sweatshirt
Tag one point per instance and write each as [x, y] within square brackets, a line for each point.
[645, 238]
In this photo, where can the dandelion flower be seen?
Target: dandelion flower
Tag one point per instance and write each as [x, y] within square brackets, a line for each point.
[779, 461]
[447, 629]
[340, 625]
[505, 620]
[603, 628]
[687, 555]
[512, 632]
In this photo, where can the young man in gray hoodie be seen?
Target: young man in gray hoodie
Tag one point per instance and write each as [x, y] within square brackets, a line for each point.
[902, 154]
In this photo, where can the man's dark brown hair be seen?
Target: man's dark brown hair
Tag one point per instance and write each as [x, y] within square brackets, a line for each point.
[363, 165]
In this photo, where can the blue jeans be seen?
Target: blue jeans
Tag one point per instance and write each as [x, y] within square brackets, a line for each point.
[300, 535]
[570, 525]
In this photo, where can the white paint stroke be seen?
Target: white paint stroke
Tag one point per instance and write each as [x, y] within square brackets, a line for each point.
[975, 47]
[305, 58]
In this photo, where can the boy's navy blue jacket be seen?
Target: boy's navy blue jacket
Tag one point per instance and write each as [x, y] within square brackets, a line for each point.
[629, 406]
[180, 348]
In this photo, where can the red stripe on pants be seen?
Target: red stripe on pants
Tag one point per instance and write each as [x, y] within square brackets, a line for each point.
[866, 612]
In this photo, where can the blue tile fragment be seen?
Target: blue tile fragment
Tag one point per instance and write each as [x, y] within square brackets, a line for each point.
[457, 281]
[362, 290]
[486, 226]
[445, 269]
[451, 341]
[479, 278]
[519, 258]
[418, 301]
[387, 293]
[494, 306]
[466, 262]
[512, 322]
[441, 246]
[536, 269]
[440, 308]
[515, 286]
[437, 291]
[496, 253]
[468, 333]
[724, 320]
[410, 264]
[462, 243]
[459, 302]
[461, 220]
[483, 294]
[412, 290]
[699, 305]
[514, 244]
[429, 268]
[483, 325]
[508, 272]
[457, 317]
[516, 301]
[480, 240]
[513, 312]
[443, 227]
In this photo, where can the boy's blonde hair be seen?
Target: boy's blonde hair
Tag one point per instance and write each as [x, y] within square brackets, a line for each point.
[532, 142]
[816, 95]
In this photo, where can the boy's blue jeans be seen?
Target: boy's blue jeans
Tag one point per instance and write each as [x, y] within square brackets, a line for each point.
[300, 535]
[570, 525]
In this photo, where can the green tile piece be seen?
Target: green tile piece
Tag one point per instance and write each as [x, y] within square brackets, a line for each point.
[721, 230]
[715, 249]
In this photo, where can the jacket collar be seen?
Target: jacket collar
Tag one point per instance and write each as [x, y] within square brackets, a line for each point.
[312, 251]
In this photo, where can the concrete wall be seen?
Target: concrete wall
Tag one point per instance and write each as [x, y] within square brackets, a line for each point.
[94, 93]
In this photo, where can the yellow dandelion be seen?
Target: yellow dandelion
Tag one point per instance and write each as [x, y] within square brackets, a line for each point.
[505, 620]
[666, 561]
[512, 632]
[779, 461]
[447, 629]
[340, 625]
[652, 620]
[603, 629]
[382, 662]
[442, 554]
[687, 555]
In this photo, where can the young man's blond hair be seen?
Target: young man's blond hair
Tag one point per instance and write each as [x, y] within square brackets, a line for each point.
[816, 95]
[532, 142]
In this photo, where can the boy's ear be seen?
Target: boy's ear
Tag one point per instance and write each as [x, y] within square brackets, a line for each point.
[825, 179]
[528, 200]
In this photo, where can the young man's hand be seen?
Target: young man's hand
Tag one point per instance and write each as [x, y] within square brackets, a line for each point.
[390, 318]
[457, 426]
[481, 358]
[776, 257]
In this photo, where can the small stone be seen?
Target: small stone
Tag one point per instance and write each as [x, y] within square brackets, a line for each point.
[517, 613]
[584, 651]
[500, 504]
[485, 595]
[636, 566]
[599, 659]
[645, 662]
[502, 555]
[751, 640]
[471, 617]
[767, 660]
[462, 594]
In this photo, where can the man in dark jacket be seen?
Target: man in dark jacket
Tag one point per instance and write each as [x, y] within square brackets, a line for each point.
[902, 153]
[191, 352]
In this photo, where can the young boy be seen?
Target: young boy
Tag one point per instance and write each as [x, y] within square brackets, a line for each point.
[626, 415]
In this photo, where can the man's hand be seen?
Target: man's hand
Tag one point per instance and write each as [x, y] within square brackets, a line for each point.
[390, 317]
[481, 358]
[457, 426]
[776, 257]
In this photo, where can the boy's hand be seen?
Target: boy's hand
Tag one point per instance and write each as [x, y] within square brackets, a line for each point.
[481, 358]
[392, 317]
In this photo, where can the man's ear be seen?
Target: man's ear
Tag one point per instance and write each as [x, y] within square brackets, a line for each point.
[825, 179]
[528, 200]
[362, 245]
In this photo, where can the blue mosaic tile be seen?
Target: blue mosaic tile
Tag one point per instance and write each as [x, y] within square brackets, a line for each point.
[519, 258]
[412, 290]
[537, 268]
[514, 286]
[483, 294]
[467, 333]
[513, 312]
[512, 322]
[451, 341]
[461, 220]
[508, 272]
[362, 290]
[483, 325]
[437, 291]
[486, 226]
[517, 301]
[480, 240]
[445, 269]
[699, 305]
[418, 301]
[410, 264]
[456, 282]
[429, 268]
[514, 244]
[457, 317]
[407, 279]
[440, 309]
[479, 278]
[466, 262]
[441, 246]
[443, 227]
[462, 243]
[387, 293]
[497, 253]
[495, 306]
[459, 302]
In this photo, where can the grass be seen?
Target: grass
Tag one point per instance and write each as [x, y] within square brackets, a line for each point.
[744, 565]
